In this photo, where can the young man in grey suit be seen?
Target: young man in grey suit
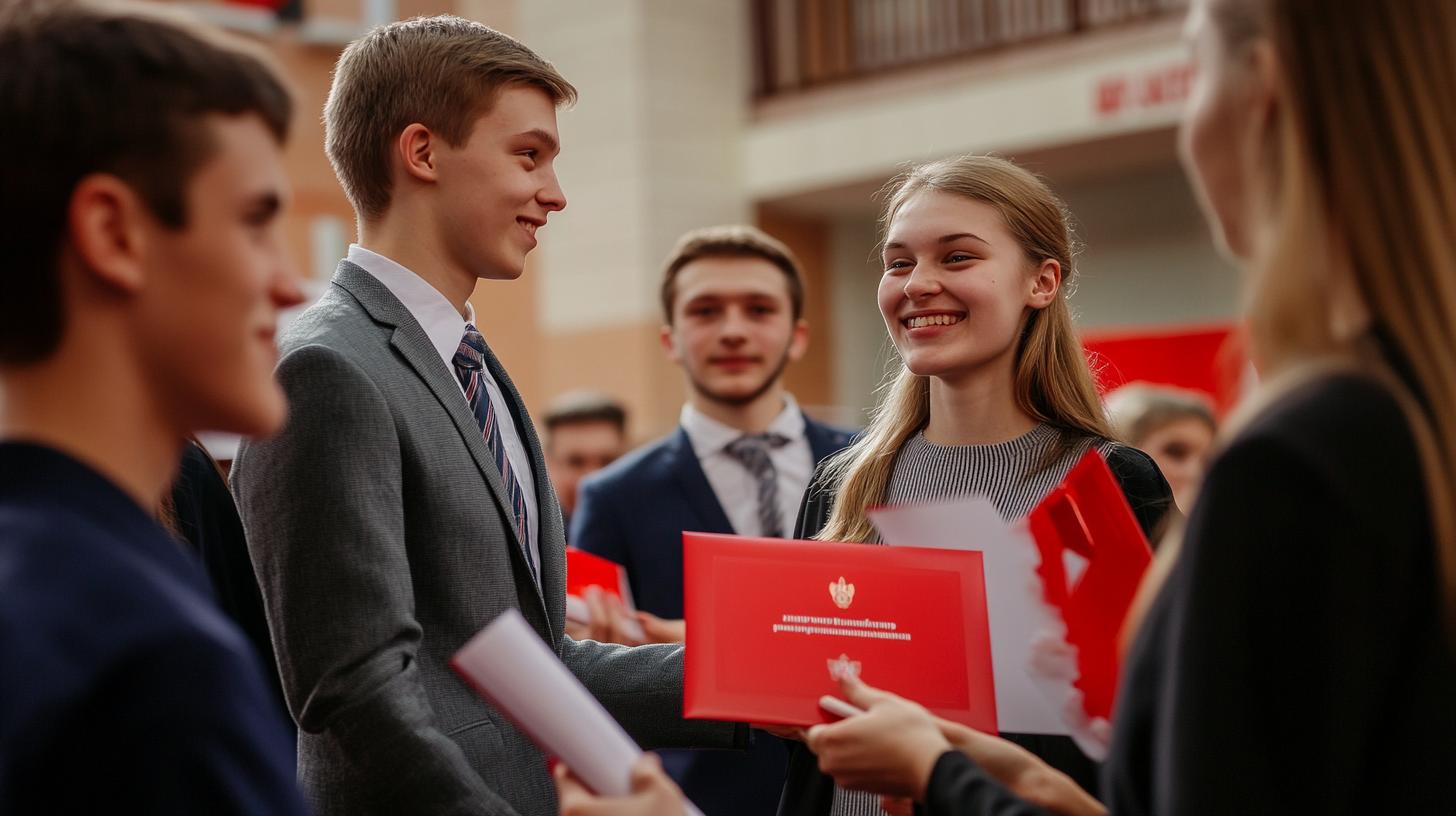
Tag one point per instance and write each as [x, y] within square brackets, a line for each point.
[406, 504]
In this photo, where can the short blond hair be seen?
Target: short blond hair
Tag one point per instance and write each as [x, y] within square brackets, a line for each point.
[443, 72]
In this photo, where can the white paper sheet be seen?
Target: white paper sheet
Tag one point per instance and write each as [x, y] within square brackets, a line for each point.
[1015, 611]
[510, 664]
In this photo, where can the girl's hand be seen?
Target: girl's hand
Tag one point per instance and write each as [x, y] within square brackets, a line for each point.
[895, 806]
[1022, 772]
[890, 749]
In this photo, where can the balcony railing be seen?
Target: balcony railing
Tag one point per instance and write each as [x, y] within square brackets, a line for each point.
[808, 43]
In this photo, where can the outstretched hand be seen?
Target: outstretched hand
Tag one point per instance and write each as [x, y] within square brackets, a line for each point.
[891, 749]
[662, 630]
[1022, 772]
[610, 620]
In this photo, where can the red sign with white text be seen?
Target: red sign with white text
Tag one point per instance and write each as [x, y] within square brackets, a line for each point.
[771, 624]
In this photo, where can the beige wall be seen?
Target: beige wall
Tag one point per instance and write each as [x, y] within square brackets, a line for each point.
[811, 379]
[316, 193]
[650, 151]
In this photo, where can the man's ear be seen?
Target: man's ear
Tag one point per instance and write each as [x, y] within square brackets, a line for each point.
[669, 343]
[799, 343]
[107, 226]
[415, 147]
[1045, 284]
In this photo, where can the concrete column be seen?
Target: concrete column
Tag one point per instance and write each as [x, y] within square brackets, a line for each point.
[652, 149]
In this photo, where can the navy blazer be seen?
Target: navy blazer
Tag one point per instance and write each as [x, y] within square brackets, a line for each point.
[122, 686]
[634, 512]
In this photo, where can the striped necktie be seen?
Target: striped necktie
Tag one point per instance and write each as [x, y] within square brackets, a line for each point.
[470, 369]
[752, 451]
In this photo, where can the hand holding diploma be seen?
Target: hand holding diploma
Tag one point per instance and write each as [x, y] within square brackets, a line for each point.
[511, 666]
[599, 602]
[891, 747]
[652, 793]
[602, 616]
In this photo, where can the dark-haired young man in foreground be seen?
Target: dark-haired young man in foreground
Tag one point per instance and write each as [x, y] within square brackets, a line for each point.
[145, 268]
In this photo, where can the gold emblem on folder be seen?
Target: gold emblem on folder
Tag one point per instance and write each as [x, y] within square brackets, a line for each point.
[842, 668]
[842, 593]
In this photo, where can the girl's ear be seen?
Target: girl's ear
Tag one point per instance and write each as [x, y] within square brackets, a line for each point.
[1045, 284]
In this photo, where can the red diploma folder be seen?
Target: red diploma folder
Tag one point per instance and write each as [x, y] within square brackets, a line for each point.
[771, 624]
[1089, 516]
[584, 569]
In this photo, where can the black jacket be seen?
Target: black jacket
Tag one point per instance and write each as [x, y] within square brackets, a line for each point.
[1297, 660]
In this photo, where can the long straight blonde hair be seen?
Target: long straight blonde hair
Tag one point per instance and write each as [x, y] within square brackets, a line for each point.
[1052, 382]
[1363, 167]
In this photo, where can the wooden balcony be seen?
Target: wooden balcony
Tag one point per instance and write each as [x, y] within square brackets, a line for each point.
[803, 44]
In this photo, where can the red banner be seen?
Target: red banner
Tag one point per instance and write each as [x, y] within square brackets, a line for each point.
[1202, 358]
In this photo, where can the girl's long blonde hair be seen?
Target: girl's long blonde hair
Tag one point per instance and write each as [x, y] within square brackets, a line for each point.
[1052, 381]
[1363, 165]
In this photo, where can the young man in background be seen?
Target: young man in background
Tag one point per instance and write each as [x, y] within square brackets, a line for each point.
[585, 432]
[739, 462]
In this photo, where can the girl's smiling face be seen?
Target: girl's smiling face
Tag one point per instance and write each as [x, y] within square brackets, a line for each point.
[957, 285]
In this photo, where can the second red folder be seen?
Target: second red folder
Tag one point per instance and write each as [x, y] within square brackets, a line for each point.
[772, 623]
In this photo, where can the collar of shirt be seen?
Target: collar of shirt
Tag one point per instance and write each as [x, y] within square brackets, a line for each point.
[709, 436]
[435, 314]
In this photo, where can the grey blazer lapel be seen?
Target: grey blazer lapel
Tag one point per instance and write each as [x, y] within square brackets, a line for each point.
[410, 340]
[550, 533]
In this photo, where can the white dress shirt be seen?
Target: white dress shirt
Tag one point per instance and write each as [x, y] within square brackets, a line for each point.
[446, 328]
[735, 487]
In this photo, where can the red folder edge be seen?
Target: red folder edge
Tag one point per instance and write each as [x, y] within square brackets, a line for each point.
[1089, 515]
[584, 570]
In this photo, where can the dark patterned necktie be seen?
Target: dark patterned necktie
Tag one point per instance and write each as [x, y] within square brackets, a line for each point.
[752, 451]
[470, 369]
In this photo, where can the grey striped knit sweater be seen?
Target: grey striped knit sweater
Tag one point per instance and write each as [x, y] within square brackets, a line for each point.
[1005, 473]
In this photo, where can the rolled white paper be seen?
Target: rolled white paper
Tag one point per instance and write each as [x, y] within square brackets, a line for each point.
[510, 665]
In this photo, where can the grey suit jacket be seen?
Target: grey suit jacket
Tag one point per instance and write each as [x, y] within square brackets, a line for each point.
[379, 530]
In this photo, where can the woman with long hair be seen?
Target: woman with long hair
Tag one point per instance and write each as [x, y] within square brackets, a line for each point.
[1299, 656]
[993, 398]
